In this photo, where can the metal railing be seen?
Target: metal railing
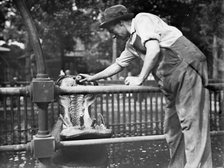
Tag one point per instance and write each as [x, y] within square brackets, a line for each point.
[127, 112]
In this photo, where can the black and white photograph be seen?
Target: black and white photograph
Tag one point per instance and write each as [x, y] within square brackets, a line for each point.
[112, 84]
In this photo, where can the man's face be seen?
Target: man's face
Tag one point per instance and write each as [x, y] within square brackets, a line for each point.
[118, 30]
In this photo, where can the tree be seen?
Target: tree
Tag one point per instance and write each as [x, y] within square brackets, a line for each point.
[60, 22]
[208, 33]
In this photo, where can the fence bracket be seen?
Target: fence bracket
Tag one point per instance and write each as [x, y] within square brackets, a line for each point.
[43, 147]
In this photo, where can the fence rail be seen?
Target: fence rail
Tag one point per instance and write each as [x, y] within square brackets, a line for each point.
[132, 112]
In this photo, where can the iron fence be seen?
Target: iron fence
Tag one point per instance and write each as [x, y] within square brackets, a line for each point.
[127, 114]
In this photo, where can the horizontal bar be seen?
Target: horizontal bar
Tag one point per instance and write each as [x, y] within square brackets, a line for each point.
[217, 133]
[24, 91]
[215, 86]
[105, 89]
[15, 91]
[121, 140]
[25, 147]
[17, 147]
[111, 140]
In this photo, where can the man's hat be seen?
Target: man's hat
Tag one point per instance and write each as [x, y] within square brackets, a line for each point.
[114, 14]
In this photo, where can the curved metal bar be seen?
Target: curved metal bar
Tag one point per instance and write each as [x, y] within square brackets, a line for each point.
[35, 41]
[105, 89]
[14, 91]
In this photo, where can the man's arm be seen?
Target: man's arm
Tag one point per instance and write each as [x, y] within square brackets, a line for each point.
[151, 58]
[109, 71]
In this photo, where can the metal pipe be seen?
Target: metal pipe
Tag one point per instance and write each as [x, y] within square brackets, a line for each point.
[43, 131]
[23, 91]
[23, 147]
[35, 40]
[121, 140]
[111, 140]
[217, 133]
[105, 89]
[215, 86]
[20, 147]
[15, 91]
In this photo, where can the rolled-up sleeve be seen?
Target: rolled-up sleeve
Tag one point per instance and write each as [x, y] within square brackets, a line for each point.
[145, 27]
[125, 58]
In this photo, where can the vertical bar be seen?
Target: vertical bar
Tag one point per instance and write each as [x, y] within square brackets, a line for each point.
[220, 102]
[112, 108]
[5, 130]
[51, 113]
[19, 122]
[215, 113]
[157, 114]
[26, 120]
[101, 104]
[146, 114]
[129, 109]
[210, 105]
[12, 120]
[32, 116]
[135, 114]
[124, 113]
[107, 109]
[118, 113]
[140, 111]
[161, 113]
[42, 120]
[95, 108]
[218, 112]
[151, 113]
[217, 109]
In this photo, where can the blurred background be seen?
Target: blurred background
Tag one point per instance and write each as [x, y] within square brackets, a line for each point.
[71, 39]
[72, 42]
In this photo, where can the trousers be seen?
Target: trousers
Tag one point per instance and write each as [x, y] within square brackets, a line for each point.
[182, 75]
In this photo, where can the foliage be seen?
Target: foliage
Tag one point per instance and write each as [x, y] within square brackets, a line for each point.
[59, 23]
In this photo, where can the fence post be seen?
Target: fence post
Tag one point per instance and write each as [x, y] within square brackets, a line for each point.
[42, 92]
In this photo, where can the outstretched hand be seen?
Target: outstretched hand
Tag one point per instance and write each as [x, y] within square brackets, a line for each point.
[133, 80]
[86, 77]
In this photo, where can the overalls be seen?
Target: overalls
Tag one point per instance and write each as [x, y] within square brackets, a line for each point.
[181, 74]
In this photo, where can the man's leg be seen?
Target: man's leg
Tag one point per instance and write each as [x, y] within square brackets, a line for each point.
[174, 138]
[192, 104]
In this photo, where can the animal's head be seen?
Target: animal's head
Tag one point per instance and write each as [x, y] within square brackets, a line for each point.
[76, 117]
[72, 80]
[75, 107]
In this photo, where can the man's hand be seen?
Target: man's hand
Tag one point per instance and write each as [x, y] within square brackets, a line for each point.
[86, 77]
[133, 80]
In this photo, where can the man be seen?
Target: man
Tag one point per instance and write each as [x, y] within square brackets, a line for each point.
[180, 70]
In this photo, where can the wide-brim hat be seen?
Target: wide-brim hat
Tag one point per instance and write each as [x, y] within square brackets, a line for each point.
[114, 14]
